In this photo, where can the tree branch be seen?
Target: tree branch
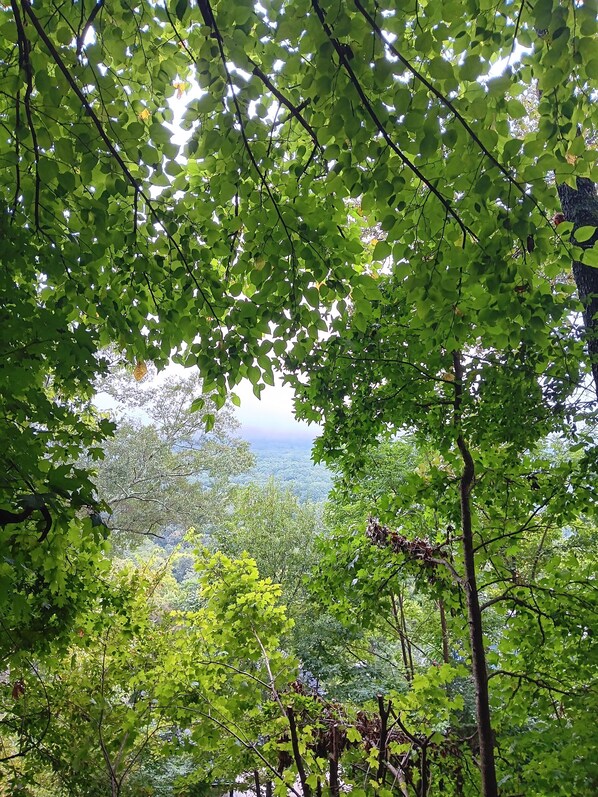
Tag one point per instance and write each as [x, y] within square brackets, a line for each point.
[340, 51]
[295, 112]
[111, 148]
[447, 103]
[90, 20]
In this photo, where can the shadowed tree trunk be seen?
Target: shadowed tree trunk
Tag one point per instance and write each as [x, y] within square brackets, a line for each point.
[580, 206]
[474, 613]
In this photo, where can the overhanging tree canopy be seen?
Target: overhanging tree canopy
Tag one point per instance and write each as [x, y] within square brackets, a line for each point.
[398, 163]
[413, 112]
[313, 122]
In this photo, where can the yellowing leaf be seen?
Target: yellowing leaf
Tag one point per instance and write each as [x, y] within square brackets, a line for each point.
[145, 114]
[140, 370]
[180, 89]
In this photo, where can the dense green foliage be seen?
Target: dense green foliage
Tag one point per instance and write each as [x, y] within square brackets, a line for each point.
[365, 198]
[168, 688]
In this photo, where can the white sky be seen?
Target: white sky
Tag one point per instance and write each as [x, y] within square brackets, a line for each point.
[270, 416]
[273, 413]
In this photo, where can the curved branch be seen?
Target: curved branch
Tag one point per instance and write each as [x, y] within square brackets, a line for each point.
[540, 683]
[446, 102]
[32, 503]
[294, 110]
[111, 148]
[344, 61]
[210, 20]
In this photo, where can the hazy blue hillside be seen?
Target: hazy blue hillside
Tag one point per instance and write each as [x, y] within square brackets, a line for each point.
[288, 459]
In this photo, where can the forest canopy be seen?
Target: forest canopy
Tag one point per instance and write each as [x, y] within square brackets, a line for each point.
[393, 204]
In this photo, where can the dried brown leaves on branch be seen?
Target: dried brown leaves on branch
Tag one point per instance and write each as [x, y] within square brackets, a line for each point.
[417, 548]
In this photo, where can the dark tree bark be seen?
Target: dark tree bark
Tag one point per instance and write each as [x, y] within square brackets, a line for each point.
[474, 612]
[382, 743]
[580, 206]
[334, 782]
[256, 780]
[476, 637]
[305, 787]
[401, 627]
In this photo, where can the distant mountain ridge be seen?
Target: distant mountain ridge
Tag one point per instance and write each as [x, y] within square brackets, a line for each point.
[293, 434]
[288, 459]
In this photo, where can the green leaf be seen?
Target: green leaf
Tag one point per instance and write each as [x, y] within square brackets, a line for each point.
[591, 69]
[181, 8]
[382, 250]
[353, 734]
[590, 257]
[441, 69]
[584, 233]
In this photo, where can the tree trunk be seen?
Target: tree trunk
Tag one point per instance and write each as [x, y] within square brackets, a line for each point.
[382, 743]
[580, 206]
[474, 614]
[333, 782]
[424, 772]
[478, 654]
[305, 787]
[401, 627]
[256, 780]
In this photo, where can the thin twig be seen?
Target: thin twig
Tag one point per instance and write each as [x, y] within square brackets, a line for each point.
[94, 12]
